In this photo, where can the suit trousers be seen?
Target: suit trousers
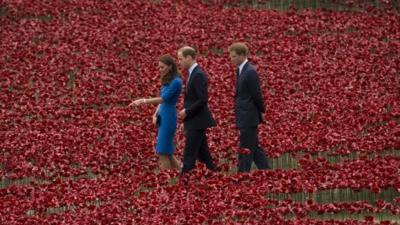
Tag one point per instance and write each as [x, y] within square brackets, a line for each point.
[249, 140]
[196, 149]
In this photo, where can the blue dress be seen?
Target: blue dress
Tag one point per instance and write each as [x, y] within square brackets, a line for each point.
[168, 122]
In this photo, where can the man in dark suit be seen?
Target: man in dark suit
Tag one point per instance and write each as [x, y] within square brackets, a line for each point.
[249, 106]
[196, 115]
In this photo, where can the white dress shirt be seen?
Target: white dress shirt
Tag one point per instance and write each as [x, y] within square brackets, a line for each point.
[192, 68]
[242, 65]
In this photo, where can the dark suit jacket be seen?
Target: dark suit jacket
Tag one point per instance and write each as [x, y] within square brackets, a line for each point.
[198, 115]
[249, 102]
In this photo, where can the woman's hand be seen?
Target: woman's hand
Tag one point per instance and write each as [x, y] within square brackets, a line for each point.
[137, 102]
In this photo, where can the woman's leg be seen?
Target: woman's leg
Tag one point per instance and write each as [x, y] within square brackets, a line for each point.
[174, 162]
[164, 162]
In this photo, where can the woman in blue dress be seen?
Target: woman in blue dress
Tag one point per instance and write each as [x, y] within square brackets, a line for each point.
[166, 116]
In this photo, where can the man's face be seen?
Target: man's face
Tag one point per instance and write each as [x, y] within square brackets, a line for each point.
[236, 59]
[163, 68]
[184, 61]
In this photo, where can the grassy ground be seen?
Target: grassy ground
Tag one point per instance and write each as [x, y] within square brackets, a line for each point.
[286, 161]
[283, 5]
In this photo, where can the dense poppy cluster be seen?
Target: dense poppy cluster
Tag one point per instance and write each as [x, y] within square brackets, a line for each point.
[69, 69]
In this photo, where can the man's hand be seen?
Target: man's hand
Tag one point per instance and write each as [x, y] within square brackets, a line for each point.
[182, 114]
[182, 127]
[155, 119]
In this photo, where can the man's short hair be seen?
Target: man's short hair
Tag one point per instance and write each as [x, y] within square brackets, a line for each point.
[188, 51]
[239, 48]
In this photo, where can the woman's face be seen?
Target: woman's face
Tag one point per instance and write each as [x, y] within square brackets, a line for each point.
[164, 69]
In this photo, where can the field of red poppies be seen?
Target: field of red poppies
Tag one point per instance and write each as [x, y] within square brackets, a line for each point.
[72, 152]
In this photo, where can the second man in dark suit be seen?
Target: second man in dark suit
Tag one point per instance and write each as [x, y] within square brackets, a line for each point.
[196, 115]
[249, 106]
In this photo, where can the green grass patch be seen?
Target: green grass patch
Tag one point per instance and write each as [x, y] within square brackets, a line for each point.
[3, 11]
[45, 18]
[4, 183]
[62, 209]
[284, 5]
[338, 195]
[381, 216]
[71, 78]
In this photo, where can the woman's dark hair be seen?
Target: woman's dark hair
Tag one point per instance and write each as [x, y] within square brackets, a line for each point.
[169, 61]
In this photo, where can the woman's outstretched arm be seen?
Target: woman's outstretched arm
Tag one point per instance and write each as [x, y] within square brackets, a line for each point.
[151, 101]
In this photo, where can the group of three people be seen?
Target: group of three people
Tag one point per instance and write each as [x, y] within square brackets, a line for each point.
[249, 106]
